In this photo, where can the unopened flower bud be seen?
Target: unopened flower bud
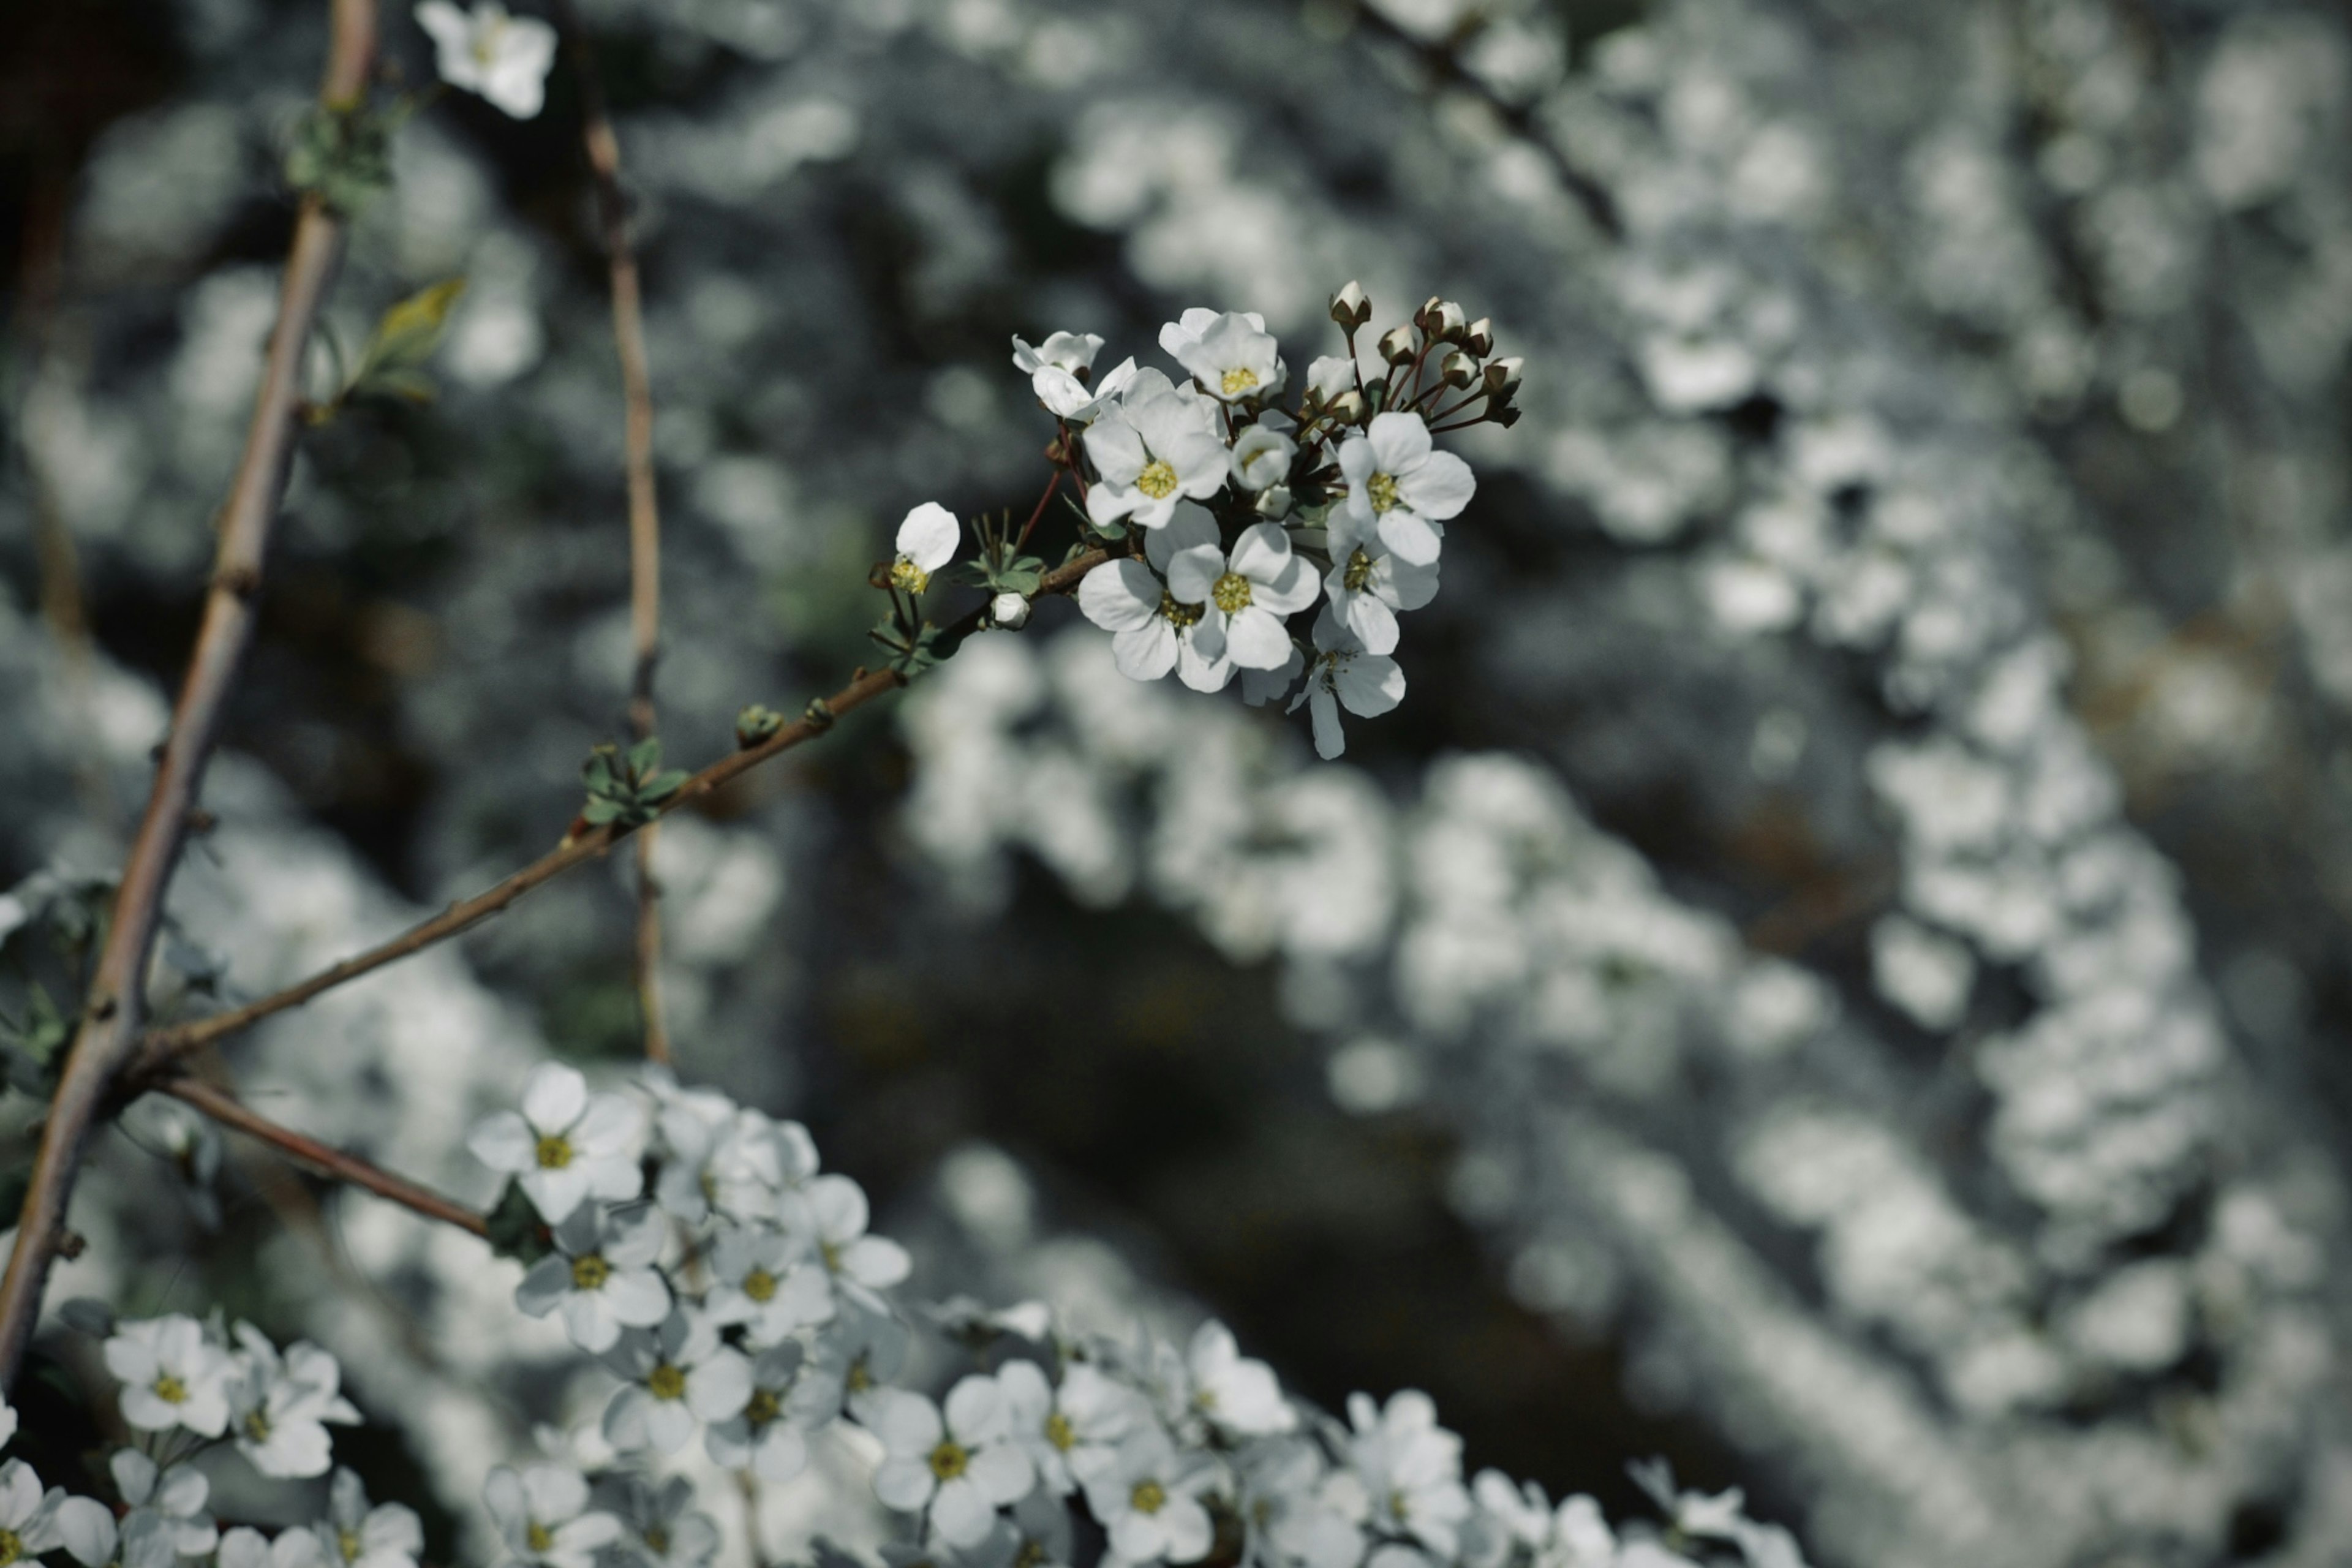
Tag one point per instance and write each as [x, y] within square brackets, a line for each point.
[1448, 324]
[1349, 407]
[1274, 503]
[1459, 370]
[1008, 610]
[1503, 375]
[1426, 317]
[1396, 345]
[755, 724]
[1480, 339]
[1503, 416]
[1349, 306]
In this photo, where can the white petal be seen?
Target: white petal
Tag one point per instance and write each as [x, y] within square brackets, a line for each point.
[904, 1484]
[1003, 1473]
[504, 1141]
[554, 1096]
[975, 1411]
[1324, 709]
[838, 1205]
[1196, 666]
[1147, 652]
[929, 535]
[1119, 595]
[1440, 488]
[875, 1262]
[1371, 684]
[557, 1193]
[1116, 450]
[1414, 538]
[1192, 573]
[1371, 621]
[542, 1289]
[1256, 640]
[611, 1124]
[720, 1387]
[1188, 525]
[637, 1297]
[1400, 442]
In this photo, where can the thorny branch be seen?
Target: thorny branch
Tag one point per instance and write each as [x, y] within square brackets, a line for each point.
[107, 1034]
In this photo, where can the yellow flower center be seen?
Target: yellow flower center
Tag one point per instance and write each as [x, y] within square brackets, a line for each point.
[1060, 1432]
[1149, 1496]
[909, 576]
[763, 1408]
[1158, 481]
[589, 1271]
[486, 34]
[832, 1256]
[1238, 381]
[169, 1389]
[1382, 488]
[1398, 1507]
[760, 1285]
[658, 1538]
[666, 1382]
[1032, 1554]
[1179, 616]
[348, 1542]
[1232, 593]
[11, 1547]
[1358, 573]
[858, 1378]
[554, 1152]
[537, 1536]
[950, 1460]
[256, 1426]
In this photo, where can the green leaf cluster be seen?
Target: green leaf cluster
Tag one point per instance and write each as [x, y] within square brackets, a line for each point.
[515, 1229]
[343, 157]
[627, 788]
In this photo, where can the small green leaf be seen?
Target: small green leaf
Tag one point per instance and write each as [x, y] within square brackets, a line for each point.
[661, 786]
[600, 810]
[645, 756]
[515, 1229]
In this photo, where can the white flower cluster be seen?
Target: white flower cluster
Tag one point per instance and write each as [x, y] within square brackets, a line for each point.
[186, 1387]
[503, 58]
[741, 1299]
[1233, 513]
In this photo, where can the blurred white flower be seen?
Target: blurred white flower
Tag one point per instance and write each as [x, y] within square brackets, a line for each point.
[542, 1515]
[35, 1522]
[388, 1535]
[1070, 1431]
[1149, 1499]
[172, 1375]
[674, 1376]
[279, 1405]
[601, 1276]
[165, 1519]
[962, 1463]
[1412, 1467]
[505, 58]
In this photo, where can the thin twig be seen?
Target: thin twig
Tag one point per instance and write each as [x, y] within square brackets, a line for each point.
[162, 1046]
[350, 1169]
[603, 148]
[109, 1031]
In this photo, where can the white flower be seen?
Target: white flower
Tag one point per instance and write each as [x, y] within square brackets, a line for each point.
[1152, 450]
[860, 1264]
[171, 1375]
[963, 1467]
[927, 541]
[601, 1275]
[279, 1405]
[675, 1377]
[1297, 1511]
[542, 1514]
[246, 1547]
[1233, 357]
[1072, 1432]
[858, 1352]
[1073, 352]
[1330, 376]
[1403, 487]
[1413, 1468]
[1262, 456]
[504, 58]
[1236, 1393]
[1068, 398]
[1246, 596]
[567, 1145]
[1189, 329]
[768, 1279]
[1147, 1497]
[166, 1518]
[38, 1522]
[659, 1529]
[1345, 674]
[691, 1122]
[791, 1396]
[757, 1161]
[1009, 611]
[1368, 583]
[388, 1535]
[1151, 631]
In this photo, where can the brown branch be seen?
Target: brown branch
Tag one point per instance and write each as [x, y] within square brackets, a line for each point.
[350, 1169]
[162, 1046]
[109, 1031]
[603, 148]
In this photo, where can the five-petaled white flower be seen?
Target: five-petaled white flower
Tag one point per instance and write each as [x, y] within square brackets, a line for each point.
[601, 1275]
[1235, 1393]
[1368, 583]
[1345, 674]
[768, 1279]
[171, 1375]
[659, 1527]
[33, 1521]
[542, 1514]
[1072, 1432]
[927, 541]
[567, 1145]
[388, 1535]
[1151, 630]
[1298, 1510]
[791, 1395]
[1147, 1497]
[1057, 372]
[964, 1467]
[505, 58]
[1411, 1466]
[1400, 484]
[834, 1210]
[1233, 357]
[164, 1518]
[1246, 596]
[279, 1405]
[673, 1377]
[1157, 447]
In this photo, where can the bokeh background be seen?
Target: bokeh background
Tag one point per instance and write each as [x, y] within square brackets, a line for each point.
[1836, 976]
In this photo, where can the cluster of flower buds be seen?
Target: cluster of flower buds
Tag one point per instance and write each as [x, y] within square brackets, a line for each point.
[1229, 512]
